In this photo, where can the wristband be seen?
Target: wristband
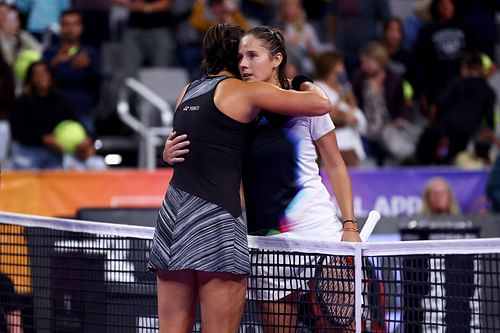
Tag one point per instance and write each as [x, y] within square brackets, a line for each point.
[351, 229]
[298, 80]
[353, 221]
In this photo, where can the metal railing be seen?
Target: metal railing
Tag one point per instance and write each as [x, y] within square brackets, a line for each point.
[150, 136]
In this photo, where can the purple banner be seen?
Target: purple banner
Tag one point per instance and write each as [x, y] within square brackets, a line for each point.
[398, 191]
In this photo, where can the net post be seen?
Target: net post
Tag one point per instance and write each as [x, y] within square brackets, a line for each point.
[358, 274]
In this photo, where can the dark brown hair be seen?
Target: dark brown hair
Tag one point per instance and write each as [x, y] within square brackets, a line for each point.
[274, 41]
[434, 9]
[29, 86]
[220, 49]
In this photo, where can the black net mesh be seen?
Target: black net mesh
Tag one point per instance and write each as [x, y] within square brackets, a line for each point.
[65, 281]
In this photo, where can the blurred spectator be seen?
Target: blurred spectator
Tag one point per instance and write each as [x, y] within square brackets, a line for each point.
[493, 186]
[33, 118]
[95, 17]
[402, 60]
[379, 93]
[10, 312]
[7, 88]
[4, 9]
[204, 14]
[188, 39]
[420, 16]
[477, 154]
[316, 12]
[439, 48]
[76, 68]
[43, 15]
[354, 23]
[301, 38]
[258, 11]
[460, 111]
[293, 66]
[438, 198]
[147, 38]
[13, 40]
[480, 16]
[422, 273]
[349, 120]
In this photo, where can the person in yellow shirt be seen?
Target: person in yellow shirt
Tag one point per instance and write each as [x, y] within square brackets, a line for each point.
[206, 13]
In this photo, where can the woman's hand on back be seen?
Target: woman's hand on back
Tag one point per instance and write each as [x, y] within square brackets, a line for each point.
[175, 148]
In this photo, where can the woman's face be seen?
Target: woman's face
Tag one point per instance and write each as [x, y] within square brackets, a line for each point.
[446, 9]
[41, 77]
[393, 34]
[438, 197]
[290, 10]
[255, 62]
[370, 66]
[11, 23]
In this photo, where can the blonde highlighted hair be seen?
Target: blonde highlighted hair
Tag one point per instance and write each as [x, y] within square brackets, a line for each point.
[376, 51]
[454, 209]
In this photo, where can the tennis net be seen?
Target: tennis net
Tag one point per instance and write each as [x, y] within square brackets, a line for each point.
[79, 276]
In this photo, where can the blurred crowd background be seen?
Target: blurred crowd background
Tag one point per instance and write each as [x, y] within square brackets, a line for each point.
[411, 82]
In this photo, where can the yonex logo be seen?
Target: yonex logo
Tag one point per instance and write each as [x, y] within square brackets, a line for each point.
[191, 108]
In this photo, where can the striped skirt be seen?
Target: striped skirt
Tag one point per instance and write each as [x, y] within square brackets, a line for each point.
[192, 233]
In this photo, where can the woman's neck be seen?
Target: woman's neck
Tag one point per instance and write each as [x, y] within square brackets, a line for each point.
[224, 73]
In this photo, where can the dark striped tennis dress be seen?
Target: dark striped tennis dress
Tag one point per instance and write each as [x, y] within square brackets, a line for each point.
[199, 225]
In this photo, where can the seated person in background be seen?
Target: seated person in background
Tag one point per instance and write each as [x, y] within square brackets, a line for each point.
[402, 60]
[10, 312]
[460, 111]
[379, 93]
[76, 68]
[438, 201]
[33, 118]
[7, 88]
[457, 308]
[13, 40]
[300, 36]
[349, 120]
[147, 38]
[204, 14]
[493, 186]
[438, 198]
[43, 15]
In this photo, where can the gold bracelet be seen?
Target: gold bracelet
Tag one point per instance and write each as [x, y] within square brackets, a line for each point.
[351, 229]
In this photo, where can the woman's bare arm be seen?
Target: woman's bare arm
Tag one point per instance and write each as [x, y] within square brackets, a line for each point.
[340, 180]
[243, 100]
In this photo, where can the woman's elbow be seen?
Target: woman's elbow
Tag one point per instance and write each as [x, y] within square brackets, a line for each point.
[323, 107]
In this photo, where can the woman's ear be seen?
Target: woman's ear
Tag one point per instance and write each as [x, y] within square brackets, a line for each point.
[277, 59]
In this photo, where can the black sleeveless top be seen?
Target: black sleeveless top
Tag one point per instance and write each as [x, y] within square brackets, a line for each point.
[212, 169]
